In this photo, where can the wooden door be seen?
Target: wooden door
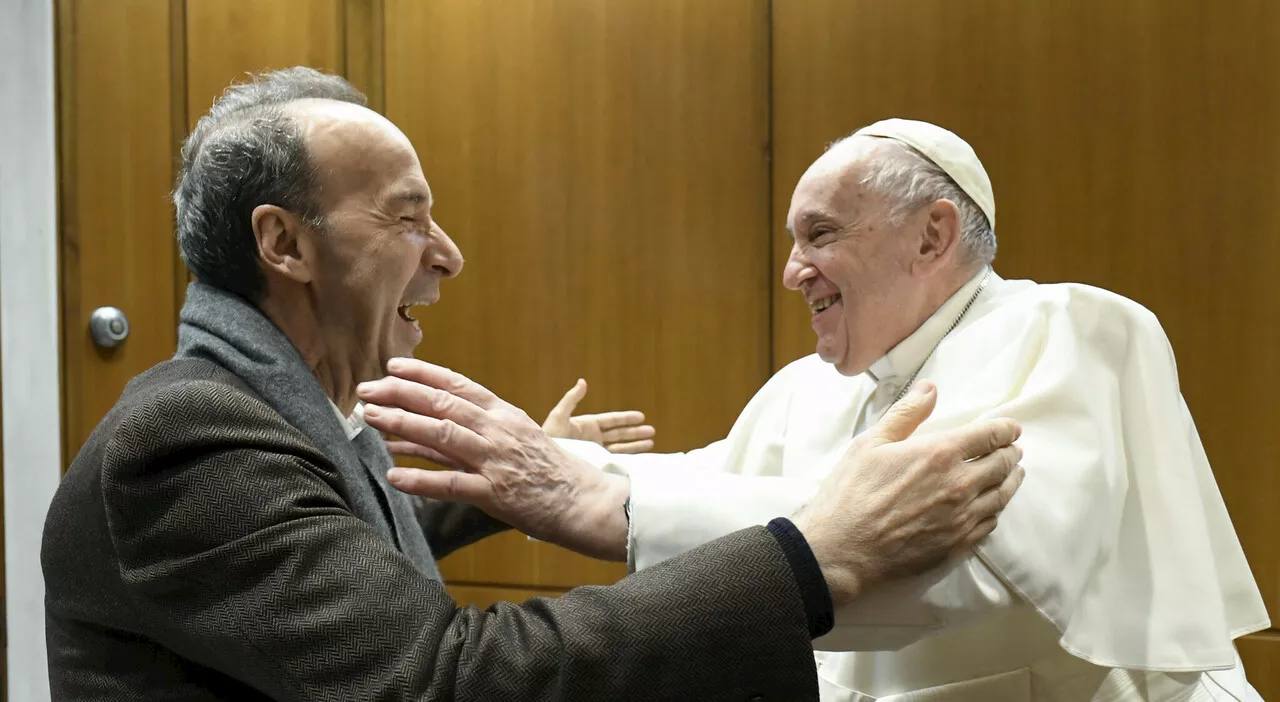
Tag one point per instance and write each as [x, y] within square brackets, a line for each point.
[229, 39]
[1132, 145]
[602, 166]
[119, 126]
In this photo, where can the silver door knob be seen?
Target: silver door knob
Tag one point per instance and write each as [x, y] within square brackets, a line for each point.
[109, 327]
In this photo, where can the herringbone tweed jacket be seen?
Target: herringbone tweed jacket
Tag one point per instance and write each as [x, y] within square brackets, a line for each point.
[200, 548]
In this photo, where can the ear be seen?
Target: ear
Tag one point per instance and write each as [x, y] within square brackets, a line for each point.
[940, 234]
[280, 233]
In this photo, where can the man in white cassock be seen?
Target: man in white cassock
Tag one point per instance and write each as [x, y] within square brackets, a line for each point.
[1114, 574]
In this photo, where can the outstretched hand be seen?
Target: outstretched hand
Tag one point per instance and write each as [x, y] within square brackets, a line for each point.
[505, 463]
[619, 432]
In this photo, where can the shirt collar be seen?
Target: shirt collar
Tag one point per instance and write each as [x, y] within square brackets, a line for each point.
[911, 353]
[354, 424]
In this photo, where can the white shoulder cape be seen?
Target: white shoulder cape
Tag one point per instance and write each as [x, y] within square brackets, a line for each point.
[1119, 536]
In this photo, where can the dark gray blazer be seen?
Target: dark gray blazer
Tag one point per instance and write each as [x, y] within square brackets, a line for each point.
[201, 548]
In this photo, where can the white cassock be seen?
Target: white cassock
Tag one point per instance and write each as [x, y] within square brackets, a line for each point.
[1114, 574]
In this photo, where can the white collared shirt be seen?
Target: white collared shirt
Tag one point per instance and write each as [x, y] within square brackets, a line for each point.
[353, 424]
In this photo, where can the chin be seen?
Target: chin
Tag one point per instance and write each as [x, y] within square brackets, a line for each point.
[838, 361]
[828, 354]
[846, 369]
[399, 352]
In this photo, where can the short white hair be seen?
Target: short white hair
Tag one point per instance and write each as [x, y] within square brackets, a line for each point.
[911, 181]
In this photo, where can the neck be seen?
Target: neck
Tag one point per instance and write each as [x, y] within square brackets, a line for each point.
[296, 318]
[935, 296]
[947, 287]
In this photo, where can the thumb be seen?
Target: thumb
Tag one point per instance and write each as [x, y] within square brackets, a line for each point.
[906, 415]
[564, 408]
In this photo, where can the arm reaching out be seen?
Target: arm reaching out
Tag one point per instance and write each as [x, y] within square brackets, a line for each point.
[617, 432]
[895, 505]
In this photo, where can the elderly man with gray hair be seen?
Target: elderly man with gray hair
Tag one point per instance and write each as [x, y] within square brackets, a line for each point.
[229, 532]
[1115, 573]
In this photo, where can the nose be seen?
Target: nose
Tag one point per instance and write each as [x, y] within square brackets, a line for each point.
[797, 270]
[442, 255]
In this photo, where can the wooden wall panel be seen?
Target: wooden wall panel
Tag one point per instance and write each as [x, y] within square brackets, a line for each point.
[603, 168]
[1131, 145]
[226, 39]
[116, 170]
[1260, 654]
[365, 54]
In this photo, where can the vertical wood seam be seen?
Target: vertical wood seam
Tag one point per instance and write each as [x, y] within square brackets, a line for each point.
[362, 38]
[178, 129]
[68, 224]
[345, 10]
[377, 57]
[771, 277]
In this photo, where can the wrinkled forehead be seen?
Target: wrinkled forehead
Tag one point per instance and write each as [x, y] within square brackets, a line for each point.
[358, 151]
[832, 187]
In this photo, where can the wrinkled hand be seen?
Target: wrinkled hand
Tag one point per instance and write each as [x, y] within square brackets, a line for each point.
[506, 465]
[897, 505]
[620, 432]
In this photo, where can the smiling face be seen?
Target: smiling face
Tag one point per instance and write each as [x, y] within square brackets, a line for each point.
[863, 272]
[379, 252]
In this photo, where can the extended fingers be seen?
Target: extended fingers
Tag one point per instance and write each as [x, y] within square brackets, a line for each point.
[644, 446]
[420, 399]
[440, 377]
[1011, 485]
[455, 442]
[449, 485]
[980, 438]
[990, 503]
[613, 420]
[986, 508]
[629, 433]
[975, 536]
[564, 408]
[992, 470]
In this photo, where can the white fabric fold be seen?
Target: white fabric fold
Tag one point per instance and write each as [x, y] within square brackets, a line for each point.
[1119, 537]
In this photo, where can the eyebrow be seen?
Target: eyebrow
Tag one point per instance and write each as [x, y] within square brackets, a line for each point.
[809, 216]
[413, 197]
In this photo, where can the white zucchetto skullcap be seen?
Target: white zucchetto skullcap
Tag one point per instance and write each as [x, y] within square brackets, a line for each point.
[948, 151]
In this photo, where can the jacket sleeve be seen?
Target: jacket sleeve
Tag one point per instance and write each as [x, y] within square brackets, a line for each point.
[450, 526]
[239, 553]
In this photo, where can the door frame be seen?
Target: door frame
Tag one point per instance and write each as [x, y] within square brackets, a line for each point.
[29, 328]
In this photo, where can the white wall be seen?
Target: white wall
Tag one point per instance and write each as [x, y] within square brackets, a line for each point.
[28, 326]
